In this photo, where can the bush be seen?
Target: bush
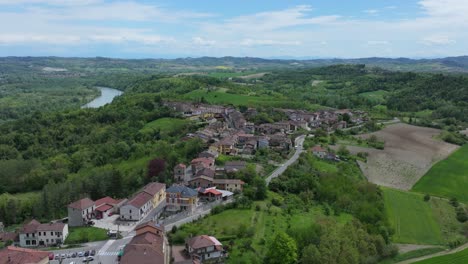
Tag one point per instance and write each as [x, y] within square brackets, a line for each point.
[454, 202]
[462, 216]
[427, 197]
[276, 202]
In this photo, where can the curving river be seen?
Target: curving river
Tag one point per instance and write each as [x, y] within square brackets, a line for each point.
[107, 95]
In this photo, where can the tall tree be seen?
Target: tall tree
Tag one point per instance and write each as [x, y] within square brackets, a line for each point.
[282, 250]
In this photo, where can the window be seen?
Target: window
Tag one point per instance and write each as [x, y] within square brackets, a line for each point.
[28, 242]
[130, 211]
[34, 242]
[130, 218]
[51, 233]
[27, 235]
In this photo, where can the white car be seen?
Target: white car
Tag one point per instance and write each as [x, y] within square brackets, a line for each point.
[88, 259]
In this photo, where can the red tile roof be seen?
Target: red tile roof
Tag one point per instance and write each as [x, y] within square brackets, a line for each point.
[151, 224]
[16, 255]
[154, 187]
[30, 227]
[140, 199]
[207, 162]
[204, 241]
[82, 204]
[104, 208]
[106, 200]
[144, 248]
[228, 181]
[318, 149]
[55, 227]
[8, 236]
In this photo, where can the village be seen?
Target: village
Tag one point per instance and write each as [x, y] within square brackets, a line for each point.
[137, 225]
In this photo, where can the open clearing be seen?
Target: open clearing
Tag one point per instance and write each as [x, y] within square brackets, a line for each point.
[448, 178]
[410, 151]
[418, 222]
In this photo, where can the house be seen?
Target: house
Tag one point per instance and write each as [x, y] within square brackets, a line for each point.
[107, 206]
[80, 212]
[226, 145]
[280, 142]
[201, 181]
[202, 163]
[231, 185]
[204, 248]
[157, 191]
[148, 246]
[181, 198]
[179, 172]
[35, 234]
[208, 154]
[209, 194]
[234, 166]
[206, 172]
[9, 236]
[17, 255]
[137, 207]
[320, 152]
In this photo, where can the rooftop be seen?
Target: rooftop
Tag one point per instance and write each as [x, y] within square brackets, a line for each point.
[16, 255]
[183, 190]
[82, 204]
[140, 199]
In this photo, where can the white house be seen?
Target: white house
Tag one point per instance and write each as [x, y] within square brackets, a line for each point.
[35, 234]
[137, 207]
[204, 248]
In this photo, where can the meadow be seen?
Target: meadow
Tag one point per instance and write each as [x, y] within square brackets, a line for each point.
[447, 178]
[460, 257]
[419, 222]
[166, 125]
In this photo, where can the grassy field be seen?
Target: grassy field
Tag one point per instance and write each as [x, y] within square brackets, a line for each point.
[237, 227]
[413, 254]
[456, 258]
[85, 234]
[227, 74]
[377, 96]
[448, 178]
[166, 125]
[418, 222]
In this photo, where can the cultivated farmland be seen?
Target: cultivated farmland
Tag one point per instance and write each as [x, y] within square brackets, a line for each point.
[410, 151]
[420, 222]
[448, 178]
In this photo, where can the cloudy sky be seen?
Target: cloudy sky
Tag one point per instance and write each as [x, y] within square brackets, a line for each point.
[258, 28]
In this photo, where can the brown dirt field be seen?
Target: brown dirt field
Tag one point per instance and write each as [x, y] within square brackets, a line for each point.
[410, 151]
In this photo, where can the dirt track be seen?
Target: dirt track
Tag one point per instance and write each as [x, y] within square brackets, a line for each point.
[409, 153]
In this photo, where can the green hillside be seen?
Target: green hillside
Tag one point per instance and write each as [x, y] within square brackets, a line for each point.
[448, 178]
[456, 258]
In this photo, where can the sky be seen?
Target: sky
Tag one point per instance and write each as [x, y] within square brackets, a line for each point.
[253, 28]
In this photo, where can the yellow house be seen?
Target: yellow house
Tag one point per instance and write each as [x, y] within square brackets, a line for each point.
[158, 191]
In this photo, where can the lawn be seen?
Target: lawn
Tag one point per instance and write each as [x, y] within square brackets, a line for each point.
[376, 96]
[166, 125]
[413, 254]
[456, 258]
[85, 234]
[418, 222]
[447, 178]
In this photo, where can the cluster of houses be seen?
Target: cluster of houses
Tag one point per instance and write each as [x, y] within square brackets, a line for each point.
[322, 153]
[228, 132]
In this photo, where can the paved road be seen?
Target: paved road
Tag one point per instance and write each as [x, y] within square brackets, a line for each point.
[299, 142]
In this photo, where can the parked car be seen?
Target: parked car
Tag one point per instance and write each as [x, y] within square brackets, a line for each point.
[88, 259]
[80, 254]
[57, 256]
[74, 254]
[69, 255]
[92, 252]
[86, 253]
[51, 256]
[63, 256]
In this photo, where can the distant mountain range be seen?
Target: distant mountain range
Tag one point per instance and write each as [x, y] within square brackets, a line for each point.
[101, 64]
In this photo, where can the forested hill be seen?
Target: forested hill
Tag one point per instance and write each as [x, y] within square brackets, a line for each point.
[89, 66]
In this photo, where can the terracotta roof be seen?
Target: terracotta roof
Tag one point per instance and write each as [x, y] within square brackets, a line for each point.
[201, 177]
[154, 187]
[203, 241]
[151, 224]
[318, 149]
[140, 199]
[30, 227]
[144, 248]
[212, 191]
[181, 165]
[183, 190]
[207, 162]
[8, 236]
[206, 172]
[16, 255]
[104, 208]
[56, 227]
[82, 204]
[228, 181]
[106, 200]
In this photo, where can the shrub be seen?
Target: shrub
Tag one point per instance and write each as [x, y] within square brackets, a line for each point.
[454, 202]
[427, 197]
[276, 202]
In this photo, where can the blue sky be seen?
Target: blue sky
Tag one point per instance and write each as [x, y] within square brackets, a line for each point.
[262, 28]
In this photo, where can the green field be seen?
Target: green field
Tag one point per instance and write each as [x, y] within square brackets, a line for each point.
[376, 96]
[85, 234]
[456, 258]
[166, 125]
[418, 222]
[227, 74]
[447, 178]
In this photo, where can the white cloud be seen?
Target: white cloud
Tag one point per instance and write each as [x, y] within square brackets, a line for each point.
[438, 40]
[371, 11]
[203, 42]
[268, 42]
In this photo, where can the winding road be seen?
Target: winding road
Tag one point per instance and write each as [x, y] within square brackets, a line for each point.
[299, 142]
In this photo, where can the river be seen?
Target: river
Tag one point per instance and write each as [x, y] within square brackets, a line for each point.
[107, 95]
